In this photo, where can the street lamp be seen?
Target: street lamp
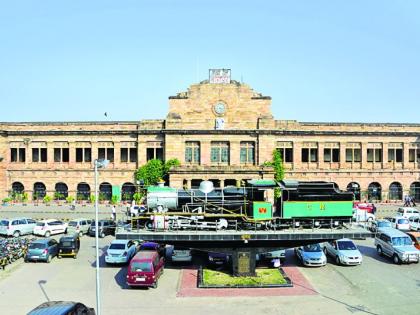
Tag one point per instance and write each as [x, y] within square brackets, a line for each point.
[98, 164]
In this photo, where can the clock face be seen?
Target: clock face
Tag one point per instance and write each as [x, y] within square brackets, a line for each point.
[219, 108]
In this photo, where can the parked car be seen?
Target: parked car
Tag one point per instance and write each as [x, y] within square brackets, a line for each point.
[49, 227]
[80, 226]
[106, 227]
[362, 215]
[69, 246]
[62, 308]
[180, 254]
[397, 245]
[144, 269]
[42, 249]
[407, 212]
[414, 223]
[275, 254]
[399, 223]
[311, 255]
[120, 251]
[218, 258]
[343, 251]
[16, 226]
[369, 207]
[415, 237]
[377, 225]
[153, 247]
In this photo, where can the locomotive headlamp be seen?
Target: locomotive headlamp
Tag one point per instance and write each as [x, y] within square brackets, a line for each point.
[316, 223]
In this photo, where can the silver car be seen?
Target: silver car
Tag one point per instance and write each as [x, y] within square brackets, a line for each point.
[344, 252]
[397, 245]
[311, 255]
[16, 226]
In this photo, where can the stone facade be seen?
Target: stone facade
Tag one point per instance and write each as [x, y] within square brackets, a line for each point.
[220, 132]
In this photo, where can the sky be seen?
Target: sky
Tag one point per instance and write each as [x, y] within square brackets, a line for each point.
[321, 61]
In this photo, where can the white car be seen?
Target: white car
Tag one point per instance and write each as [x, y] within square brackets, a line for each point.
[400, 223]
[343, 251]
[414, 223]
[407, 212]
[121, 251]
[360, 215]
[49, 227]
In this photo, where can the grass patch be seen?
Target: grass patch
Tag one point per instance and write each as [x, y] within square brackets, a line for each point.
[263, 277]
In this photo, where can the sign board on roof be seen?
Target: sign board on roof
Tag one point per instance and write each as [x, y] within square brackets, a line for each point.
[219, 76]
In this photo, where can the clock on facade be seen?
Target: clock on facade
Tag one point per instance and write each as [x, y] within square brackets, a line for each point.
[219, 108]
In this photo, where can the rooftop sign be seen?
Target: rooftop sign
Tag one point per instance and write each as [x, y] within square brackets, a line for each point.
[219, 76]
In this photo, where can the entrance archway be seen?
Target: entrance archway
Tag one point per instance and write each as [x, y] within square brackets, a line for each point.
[61, 191]
[105, 191]
[39, 191]
[375, 192]
[415, 190]
[83, 191]
[395, 191]
[355, 189]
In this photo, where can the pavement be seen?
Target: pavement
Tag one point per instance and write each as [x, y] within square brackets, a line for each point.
[375, 287]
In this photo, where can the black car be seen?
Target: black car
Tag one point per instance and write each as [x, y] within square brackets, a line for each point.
[106, 227]
[62, 308]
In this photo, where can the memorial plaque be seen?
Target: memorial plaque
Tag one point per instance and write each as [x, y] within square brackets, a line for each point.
[244, 263]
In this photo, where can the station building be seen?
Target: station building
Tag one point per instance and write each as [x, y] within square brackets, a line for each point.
[220, 130]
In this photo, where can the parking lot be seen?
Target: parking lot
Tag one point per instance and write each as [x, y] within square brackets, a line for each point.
[376, 287]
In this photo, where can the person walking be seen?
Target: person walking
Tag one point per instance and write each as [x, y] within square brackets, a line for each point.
[413, 204]
[114, 214]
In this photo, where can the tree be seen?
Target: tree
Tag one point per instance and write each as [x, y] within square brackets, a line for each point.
[277, 165]
[155, 170]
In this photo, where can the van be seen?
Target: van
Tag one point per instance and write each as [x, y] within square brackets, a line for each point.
[400, 223]
[16, 226]
[69, 246]
[396, 245]
[407, 212]
[80, 226]
[144, 269]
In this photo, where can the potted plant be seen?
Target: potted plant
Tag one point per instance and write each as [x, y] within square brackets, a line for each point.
[25, 198]
[47, 199]
[6, 201]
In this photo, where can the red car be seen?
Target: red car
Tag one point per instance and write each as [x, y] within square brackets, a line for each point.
[369, 207]
[145, 269]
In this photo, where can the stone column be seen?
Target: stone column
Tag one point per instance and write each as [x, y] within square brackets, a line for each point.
[321, 163]
[297, 155]
[385, 163]
[406, 155]
[343, 163]
[364, 156]
[205, 152]
[235, 149]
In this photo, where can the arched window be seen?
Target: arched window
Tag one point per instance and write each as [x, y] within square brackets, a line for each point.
[83, 191]
[355, 189]
[105, 191]
[17, 188]
[415, 190]
[395, 191]
[375, 192]
[39, 191]
[127, 191]
[61, 191]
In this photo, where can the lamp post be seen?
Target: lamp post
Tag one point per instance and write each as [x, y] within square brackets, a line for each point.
[98, 164]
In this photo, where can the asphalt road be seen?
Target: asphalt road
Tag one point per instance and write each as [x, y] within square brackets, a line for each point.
[375, 287]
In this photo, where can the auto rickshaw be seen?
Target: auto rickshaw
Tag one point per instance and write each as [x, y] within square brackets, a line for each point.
[69, 245]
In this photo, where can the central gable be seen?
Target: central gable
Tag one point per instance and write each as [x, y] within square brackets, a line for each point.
[209, 106]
